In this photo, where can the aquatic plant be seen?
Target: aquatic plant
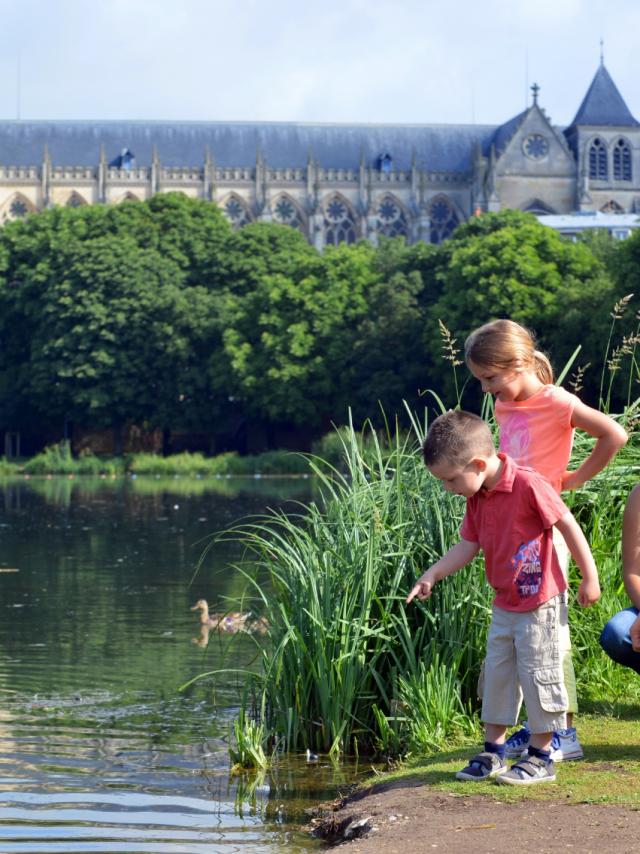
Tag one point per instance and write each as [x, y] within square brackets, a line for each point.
[331, 582]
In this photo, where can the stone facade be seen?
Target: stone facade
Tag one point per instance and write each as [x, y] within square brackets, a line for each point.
[337, 182]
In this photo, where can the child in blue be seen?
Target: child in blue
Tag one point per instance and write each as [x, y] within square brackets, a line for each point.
[620, 638]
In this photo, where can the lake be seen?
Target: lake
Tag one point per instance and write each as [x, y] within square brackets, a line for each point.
[99, 750]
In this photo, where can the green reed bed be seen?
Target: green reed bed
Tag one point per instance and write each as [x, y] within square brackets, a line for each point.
[348, 667]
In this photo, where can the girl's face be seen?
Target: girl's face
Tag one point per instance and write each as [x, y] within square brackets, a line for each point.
[505, 384]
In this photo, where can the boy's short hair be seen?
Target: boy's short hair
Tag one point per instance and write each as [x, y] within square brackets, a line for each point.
[457, 436]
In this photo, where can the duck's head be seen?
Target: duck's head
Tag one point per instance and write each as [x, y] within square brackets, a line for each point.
[203, 606]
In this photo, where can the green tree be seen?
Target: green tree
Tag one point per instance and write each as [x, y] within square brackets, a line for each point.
[513, 266]
[289, 326]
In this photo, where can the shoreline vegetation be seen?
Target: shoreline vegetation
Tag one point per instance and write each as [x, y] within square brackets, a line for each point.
[347, 668]
[58, 460]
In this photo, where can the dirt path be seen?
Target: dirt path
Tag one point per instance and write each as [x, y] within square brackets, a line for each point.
[407, 817]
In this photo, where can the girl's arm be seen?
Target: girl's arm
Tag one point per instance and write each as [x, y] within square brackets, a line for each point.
[589, 590]
[609, 436]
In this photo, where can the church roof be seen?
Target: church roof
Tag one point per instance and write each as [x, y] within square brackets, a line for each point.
[504, 132]
[603, 104]
[282, 144]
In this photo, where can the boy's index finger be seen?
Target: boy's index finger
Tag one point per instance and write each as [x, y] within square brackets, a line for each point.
[413, 594]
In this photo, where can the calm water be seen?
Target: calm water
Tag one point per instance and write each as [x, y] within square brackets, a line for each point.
[98, 750]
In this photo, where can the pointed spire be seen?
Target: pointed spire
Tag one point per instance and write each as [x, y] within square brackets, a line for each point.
[603, 105]
[601, 51]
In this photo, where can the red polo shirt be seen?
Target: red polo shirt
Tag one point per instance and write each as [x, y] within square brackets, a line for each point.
[513, 524]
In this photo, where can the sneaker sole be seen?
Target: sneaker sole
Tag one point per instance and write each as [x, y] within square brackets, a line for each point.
[568, 757]
[460, 775]
[533, 781]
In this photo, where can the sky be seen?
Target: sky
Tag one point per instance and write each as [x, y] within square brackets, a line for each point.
[380, 61]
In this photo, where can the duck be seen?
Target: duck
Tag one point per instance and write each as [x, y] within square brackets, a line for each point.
[231, 621]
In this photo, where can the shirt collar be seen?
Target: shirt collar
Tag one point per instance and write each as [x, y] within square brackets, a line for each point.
[505, 484]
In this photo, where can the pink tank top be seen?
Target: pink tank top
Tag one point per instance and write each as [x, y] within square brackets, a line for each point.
[537, 432]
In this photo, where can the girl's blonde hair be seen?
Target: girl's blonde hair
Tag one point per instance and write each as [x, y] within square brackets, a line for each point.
[504, 344]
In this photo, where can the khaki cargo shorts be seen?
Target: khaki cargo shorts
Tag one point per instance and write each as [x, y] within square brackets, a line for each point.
[524, 649]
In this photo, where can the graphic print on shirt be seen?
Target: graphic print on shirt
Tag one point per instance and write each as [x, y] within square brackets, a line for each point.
[515, 438]
[527, 568]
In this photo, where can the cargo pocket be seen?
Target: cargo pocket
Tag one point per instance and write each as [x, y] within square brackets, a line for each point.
[551, 689]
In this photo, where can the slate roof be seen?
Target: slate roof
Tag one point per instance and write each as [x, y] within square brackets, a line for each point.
[603, 104]
[505, 132]
[283, 144]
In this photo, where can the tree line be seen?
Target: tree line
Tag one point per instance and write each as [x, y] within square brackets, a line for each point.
[159, 314]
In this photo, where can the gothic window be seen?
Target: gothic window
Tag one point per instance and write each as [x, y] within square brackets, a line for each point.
[392, 221]
[622, 161]
[286, 213]
[130, 197]
[339, 225]
[612, 207]
[444, 219]
[17, 208]
[598, 160]
[75, 200]
[538, 208]
[236, 212]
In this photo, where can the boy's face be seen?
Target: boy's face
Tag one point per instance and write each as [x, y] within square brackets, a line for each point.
[505, 385]
[460, 480]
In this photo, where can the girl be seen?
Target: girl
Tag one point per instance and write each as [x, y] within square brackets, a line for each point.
[537, 420]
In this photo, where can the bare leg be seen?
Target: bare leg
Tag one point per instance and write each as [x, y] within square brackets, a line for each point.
[495, 733]
[541, 740]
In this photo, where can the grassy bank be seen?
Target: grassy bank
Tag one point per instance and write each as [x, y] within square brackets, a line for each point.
[349, 668]
[609, 741]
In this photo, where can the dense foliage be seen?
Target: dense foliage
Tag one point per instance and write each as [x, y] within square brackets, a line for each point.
[348, 667]
[158, 314]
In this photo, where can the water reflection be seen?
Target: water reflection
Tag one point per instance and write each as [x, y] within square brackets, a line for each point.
[98, 749]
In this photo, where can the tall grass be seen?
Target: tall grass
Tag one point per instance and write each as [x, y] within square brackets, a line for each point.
[345, 653]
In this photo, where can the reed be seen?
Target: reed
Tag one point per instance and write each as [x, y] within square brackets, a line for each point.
[331, 582]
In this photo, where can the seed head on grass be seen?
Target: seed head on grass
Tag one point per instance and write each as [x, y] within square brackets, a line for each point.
[621, 306]
[575, 383]
[451, 351]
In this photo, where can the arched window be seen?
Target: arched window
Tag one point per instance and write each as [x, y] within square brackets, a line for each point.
[339, 224]
[17, 208]
[236, 211]
[612, 207]
[444, 219]
[598, 160]
[75, 200]
[622, 161]
[538, 207]
[286, 212]
[392, 221]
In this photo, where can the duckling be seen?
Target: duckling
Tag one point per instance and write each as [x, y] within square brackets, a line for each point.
[232, 622]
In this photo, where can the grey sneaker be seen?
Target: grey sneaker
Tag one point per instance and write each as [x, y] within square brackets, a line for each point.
[483, 766]
[529, 772]
[518, 743]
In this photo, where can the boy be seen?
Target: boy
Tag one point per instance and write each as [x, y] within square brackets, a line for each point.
[511, 511]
